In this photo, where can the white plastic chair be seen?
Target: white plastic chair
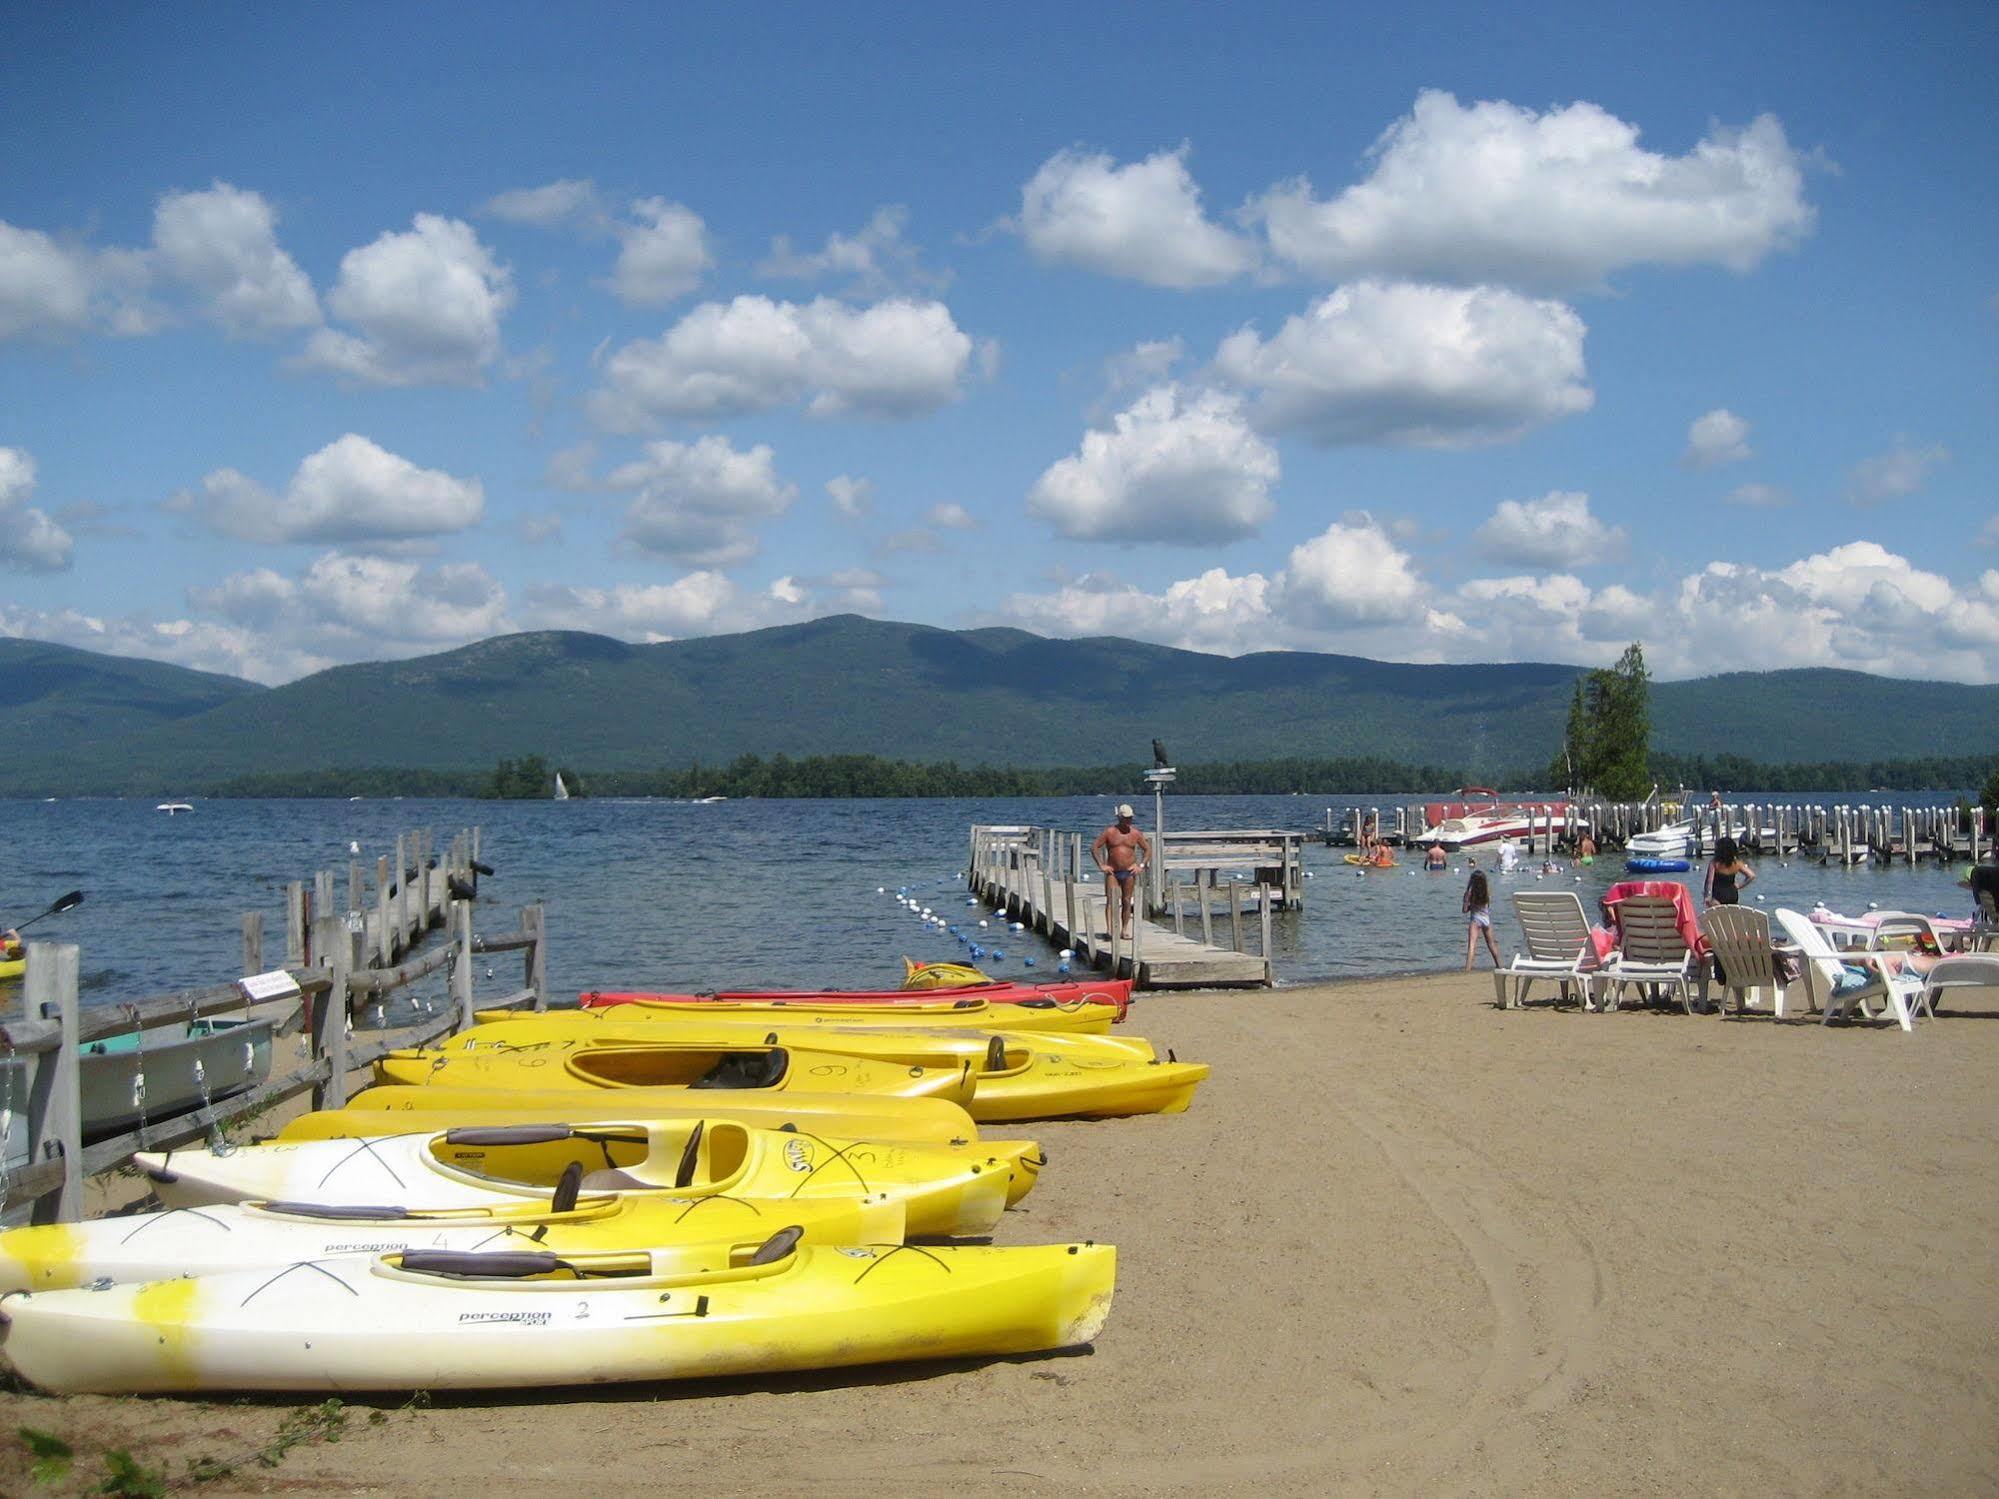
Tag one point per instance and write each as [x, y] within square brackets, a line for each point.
[1650, 951]
[1739, 940]
[1967, 971]
[1826, 975]
[1558, 947]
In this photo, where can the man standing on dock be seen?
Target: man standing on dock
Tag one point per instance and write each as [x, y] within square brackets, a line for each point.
[1120, 852]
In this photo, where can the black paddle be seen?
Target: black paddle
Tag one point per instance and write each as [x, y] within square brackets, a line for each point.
[64, 903]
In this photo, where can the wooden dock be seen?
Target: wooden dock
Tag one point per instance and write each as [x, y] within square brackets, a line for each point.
[337, 974]
[1041, 878]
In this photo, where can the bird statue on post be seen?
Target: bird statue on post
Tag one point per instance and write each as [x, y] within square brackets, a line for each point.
[1159, 760]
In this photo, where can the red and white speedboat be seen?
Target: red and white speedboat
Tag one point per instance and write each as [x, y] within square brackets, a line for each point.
[1479, 816]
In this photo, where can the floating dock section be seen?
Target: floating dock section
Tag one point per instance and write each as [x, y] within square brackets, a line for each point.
[1044, 879]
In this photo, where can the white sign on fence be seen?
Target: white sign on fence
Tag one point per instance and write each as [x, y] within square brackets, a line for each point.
[277, 984]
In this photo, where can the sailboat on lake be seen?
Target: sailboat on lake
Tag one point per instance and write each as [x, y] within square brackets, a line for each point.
[561, 791]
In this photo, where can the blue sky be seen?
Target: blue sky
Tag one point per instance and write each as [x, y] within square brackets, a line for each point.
[331, 334]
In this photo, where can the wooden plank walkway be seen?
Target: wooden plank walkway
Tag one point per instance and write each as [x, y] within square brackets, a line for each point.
[1071, 913]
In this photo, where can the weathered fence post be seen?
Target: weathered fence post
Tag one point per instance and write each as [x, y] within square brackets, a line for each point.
[55, 1108]
[329, 1020]
[1075, 879]
[1269, 963]
[295, 924]
[534, 924]
[461, 969]
[402, 890]
[385, 937]
[253, 942]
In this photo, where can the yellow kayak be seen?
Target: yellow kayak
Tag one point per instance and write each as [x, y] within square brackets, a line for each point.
[850, 1116]
[13, 968]
[904, 1043]
[1043, 1015]
[241, 1236]
[752, 1068]
[445, 1320]
[944, 1189]
[1016, 1075]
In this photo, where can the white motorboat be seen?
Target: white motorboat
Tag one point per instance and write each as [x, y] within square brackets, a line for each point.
[1480, 817]
[1673, 841]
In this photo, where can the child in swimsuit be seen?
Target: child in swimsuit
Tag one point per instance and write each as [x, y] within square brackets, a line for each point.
[1478, 918]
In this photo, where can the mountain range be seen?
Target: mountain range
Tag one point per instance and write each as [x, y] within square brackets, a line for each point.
[74, 722]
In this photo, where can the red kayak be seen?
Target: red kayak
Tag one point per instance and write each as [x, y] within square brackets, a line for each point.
[1066, 992]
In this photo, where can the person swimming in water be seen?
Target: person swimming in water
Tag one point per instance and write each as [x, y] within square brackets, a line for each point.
[1120, 852]
[1435, 858]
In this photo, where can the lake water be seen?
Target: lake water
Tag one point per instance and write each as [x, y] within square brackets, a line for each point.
[671, 895]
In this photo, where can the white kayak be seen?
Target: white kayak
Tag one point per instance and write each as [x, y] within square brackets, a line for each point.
[944, 1189]
[224, 1237]
[444, 1320]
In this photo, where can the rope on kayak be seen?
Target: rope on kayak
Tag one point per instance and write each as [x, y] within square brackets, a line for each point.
[839, 1155]
[365, 1145]
[300, 1265]
[150, 1220]
[896, 1249]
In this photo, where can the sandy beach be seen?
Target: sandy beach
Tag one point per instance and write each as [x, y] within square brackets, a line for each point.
[1403, 1243]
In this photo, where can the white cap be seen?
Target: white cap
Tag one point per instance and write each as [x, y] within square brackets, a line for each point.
[1124, 809]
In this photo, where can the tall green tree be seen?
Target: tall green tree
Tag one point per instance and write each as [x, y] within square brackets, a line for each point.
[1620, 727]
[1606, 744]
[1566, 769]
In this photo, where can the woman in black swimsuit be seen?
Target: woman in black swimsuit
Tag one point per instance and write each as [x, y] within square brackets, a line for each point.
[1727, 874]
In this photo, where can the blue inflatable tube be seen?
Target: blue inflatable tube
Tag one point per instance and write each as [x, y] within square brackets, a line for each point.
[1657, 866]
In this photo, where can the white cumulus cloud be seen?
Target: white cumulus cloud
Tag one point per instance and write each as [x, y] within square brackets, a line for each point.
[1351, 574]
[949, 516]
[47, 289]
[663, 253]
[222, 244]
[874, 260]
[1716, 437]
[1895, 474]
[1213, 612]
[1429, 366]
[699, 603]
[701, 503]
[1172, 466]
[897, 358]
[1557, 530]
[1491, 192]
[427, 302]
[550, 203]
[30, 542]
[351, 490]
[1142, 221]
[852, 497]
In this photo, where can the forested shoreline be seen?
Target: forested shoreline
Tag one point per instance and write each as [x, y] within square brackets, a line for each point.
[822, 776]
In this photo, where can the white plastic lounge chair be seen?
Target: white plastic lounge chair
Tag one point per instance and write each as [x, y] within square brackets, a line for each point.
[1558, 947]
[1739, 938]
[1900, 931]
[1838, 982]
[1964, 972]
[1650, 951]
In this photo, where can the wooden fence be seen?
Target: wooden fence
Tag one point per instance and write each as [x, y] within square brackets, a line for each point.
[325, 994]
